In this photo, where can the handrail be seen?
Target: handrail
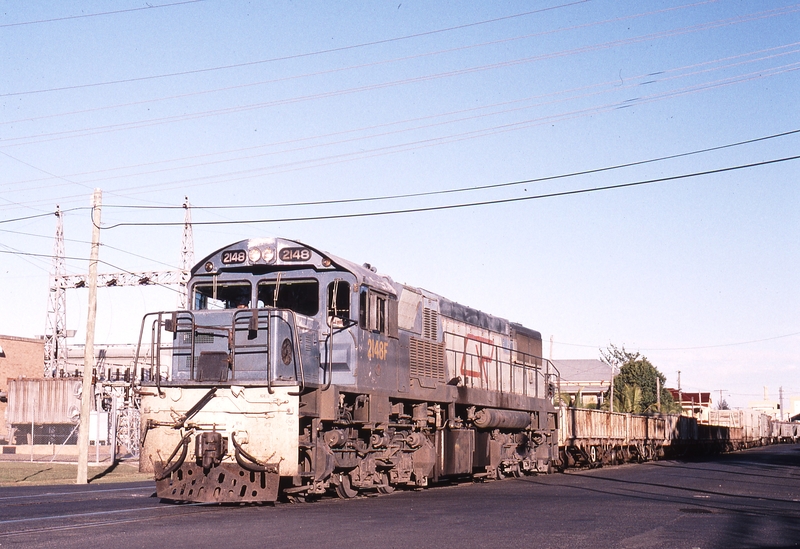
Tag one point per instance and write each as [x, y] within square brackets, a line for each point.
[300, 359]
[348, 323]
[507, 364]
[156, 345]
[291, 325]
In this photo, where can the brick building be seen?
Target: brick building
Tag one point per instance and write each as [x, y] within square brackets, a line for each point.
[19, 357]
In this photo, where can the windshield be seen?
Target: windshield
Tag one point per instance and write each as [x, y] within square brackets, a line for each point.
[227, 295]
[300, 296]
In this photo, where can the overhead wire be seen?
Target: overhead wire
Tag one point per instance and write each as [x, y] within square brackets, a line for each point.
[101, 244]
[457, 137]
[403, 147]
[48, 214]
[298, 55]
[99, 14]
[463, 205]
[448, 191]
[471, 188]
[72, 258]
[26, 140]
[416, 145]
[632, 83]
[354, 67]
[692, 348]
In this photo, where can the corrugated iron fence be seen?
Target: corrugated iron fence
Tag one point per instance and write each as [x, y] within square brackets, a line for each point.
[43, 416]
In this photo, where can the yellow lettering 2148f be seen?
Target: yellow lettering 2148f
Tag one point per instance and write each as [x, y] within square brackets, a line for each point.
[377, 349]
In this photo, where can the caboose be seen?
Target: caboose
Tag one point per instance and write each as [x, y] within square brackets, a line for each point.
[294, 372]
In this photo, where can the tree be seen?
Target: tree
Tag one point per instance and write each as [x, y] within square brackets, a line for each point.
[723, 405]
[635, 383]
[629, 399]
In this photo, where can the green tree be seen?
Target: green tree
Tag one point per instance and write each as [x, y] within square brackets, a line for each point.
[635, 382]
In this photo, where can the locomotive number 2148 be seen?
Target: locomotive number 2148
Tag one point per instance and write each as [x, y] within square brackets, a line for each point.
[295, 254]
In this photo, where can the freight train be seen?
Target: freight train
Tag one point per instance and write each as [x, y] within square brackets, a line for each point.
[294, 373]
[591, 438]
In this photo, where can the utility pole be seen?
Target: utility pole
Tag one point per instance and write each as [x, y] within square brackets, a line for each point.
[658, 393]
[780, 397]
[719, 404]
[680, 394]
[88, 355]
[611, 393]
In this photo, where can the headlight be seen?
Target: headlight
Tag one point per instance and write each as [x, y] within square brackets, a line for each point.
[254, 254]
[268, 254]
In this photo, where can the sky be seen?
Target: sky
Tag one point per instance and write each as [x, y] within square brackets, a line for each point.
[605, 172]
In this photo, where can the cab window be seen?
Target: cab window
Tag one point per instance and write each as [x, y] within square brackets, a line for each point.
[372, 314]
[300, 296]
[338, 303]
[221, 295]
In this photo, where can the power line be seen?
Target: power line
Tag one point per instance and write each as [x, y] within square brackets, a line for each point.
[364, 65]
[469, 189]
[295, 56]
[695, 348]
[102, 244]
[50, 256]
[42, 215]
[725, 344]
[408, 146]
[99, 14]
[413, 80]
[463, 205]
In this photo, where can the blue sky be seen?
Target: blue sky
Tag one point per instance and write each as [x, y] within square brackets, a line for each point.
[262, 104]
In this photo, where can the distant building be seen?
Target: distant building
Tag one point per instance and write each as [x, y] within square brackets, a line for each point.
[792, 412]
[589, 378]
[767, 406]
[19, 357]
[696, 405]
[116, 361]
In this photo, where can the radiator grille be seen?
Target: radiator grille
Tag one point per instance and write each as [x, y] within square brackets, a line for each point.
[430, 324]
[426, 359]
[198, 338]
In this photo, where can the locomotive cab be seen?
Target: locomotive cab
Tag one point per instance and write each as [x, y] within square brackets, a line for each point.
[226, 375]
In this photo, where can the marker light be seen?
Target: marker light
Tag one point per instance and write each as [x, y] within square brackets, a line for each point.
[268, 254]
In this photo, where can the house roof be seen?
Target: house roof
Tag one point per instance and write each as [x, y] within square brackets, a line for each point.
[686, 396]
[583, 370]
[588, 375]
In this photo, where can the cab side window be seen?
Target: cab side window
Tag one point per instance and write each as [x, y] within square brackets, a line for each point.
[338, 303]
[378, 312]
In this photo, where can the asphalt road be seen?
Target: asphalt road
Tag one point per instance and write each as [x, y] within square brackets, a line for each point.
[748, 499]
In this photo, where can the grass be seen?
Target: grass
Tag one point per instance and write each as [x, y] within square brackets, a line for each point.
[25, 473]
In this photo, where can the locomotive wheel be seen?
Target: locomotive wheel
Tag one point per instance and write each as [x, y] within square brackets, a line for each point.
[344, 488]
[385, 488]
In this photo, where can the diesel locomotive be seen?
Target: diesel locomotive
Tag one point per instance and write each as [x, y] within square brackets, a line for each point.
[294, 372]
